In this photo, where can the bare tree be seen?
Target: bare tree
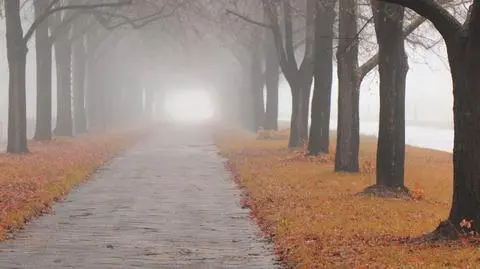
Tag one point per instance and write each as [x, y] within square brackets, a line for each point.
[43, 128]
[463, 43]
[16, 53]
[346, 157]
[300, 77]
[393, 68]
[319, 138]
[351, 74]
[271, 80]
[62, 43]
[246, 44]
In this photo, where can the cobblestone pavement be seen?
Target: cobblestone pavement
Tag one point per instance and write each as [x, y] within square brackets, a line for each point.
[166, 203]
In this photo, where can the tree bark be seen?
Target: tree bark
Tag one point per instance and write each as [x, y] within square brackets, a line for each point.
[43, 46]
[393, 68]
[348, 135]
[304, 104]
[464, 58]
[300, 90]
[294, 139]
[63, 59]
[256, 89]
[463, 48]
[301, 80]
[323, 71]
[16, 55]
[349, 150]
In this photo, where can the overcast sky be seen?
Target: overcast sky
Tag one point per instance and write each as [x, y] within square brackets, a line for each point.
[429, 88]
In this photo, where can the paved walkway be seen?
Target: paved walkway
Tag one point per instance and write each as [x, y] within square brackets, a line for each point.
[166, 203]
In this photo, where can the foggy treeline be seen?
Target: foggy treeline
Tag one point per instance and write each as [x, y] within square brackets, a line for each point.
[114, 58]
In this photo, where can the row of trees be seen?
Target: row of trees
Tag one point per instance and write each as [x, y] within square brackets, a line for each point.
[462, 41]
[289, 27]
[80, 35]
[102, 78]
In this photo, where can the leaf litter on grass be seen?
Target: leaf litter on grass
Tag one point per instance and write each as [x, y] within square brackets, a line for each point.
[31, 183]
[316, 220]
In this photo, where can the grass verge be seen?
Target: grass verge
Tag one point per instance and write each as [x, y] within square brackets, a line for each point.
[316, 220]
[31, 183]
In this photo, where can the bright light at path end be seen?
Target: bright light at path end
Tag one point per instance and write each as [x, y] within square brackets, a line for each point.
[189, 106]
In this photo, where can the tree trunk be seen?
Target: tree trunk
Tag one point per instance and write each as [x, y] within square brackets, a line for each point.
[79, 68]
[246, 112]
[299, 79]
[16, 55]
[348, 135]
[43, 128]
[463, 48]
[304, 107]
[63, 59]
[393, 68]
[299, 118]
[271, 83]
[295, 139]
[464, 58]
[256, 90]
[320, 115]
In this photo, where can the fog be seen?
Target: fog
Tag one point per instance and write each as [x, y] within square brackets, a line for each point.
[189, 105]
[233, 133]
[195, 61]
[428, 93]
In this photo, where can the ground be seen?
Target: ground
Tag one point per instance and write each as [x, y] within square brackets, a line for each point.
[317, 220]
[168, 202]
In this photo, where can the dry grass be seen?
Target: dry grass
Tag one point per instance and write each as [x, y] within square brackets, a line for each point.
[31, 183]
[317, 221]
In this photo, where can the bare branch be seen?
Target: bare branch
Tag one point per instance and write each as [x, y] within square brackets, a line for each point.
[247, 19]
[445, 23]
[52, 10]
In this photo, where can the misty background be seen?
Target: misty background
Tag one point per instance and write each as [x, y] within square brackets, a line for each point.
[428, 96]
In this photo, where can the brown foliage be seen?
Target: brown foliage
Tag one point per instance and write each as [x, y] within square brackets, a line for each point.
[31, 183]
[316, 220]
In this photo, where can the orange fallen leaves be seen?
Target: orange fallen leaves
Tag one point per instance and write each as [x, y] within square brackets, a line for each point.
[316, 220]
[31, 183]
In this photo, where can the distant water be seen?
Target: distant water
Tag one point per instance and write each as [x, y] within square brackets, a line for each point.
[425, 137]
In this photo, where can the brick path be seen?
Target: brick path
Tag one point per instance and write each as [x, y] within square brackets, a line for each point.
[166, 203]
